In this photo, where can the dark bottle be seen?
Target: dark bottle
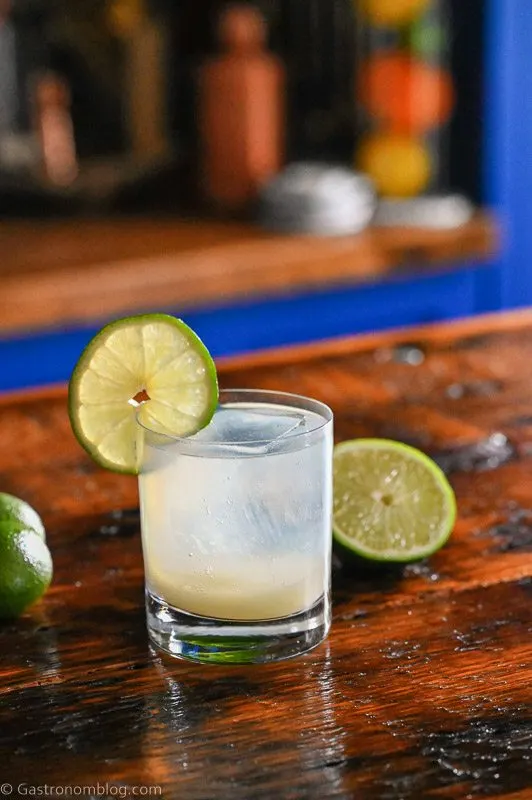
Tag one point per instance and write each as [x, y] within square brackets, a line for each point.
[23, 52]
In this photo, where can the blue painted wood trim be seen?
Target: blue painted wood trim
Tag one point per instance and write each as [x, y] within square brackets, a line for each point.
[43, 358]
[508, 147]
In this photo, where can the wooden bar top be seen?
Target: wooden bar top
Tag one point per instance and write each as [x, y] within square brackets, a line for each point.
[423, 689]
[64, 273]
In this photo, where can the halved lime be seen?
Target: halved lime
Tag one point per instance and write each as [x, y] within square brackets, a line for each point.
[392, 503]
[13, 509]
[152, 366]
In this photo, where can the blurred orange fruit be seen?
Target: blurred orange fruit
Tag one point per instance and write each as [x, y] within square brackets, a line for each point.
[392, 13]
[405, 94]
[398, 165]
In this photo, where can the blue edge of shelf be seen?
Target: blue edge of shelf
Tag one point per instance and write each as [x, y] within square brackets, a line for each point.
[43, 358]
[47, 357]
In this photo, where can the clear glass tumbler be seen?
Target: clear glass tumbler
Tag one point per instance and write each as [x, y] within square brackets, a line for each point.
[236, 530]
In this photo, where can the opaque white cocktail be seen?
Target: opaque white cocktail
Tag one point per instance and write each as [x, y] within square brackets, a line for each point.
[236, 528]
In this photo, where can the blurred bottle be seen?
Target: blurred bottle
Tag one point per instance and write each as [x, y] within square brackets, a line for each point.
[241, 112]
[8, 71]
[405, 95]
[316, 39]
[53, 124]
[21, 53]
[145, 48]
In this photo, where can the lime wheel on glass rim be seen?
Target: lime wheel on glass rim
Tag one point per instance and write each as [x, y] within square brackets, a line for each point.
[151, 366]
[392, 503]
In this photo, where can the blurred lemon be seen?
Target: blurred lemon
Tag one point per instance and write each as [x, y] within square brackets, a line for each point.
[398, 165]
[392, 13]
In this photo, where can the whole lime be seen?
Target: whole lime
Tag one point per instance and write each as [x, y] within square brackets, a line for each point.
[13, 508]
[25, 568]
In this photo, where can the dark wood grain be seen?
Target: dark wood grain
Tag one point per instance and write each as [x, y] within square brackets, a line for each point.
[65, 273]
[423, 689]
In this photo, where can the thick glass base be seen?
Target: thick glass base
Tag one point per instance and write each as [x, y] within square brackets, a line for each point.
[217, 641]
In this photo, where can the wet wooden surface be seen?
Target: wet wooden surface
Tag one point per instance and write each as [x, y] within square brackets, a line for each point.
[423, 689]
[58, 273]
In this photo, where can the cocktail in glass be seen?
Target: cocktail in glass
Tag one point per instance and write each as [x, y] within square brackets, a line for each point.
[236, 530]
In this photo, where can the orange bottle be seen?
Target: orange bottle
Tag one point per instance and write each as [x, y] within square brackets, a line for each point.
[241, 112]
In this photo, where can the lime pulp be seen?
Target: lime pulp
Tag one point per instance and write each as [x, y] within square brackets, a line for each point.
[392, 503]
[151, 366]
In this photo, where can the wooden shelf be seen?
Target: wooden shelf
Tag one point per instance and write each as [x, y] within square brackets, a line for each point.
[79, 271]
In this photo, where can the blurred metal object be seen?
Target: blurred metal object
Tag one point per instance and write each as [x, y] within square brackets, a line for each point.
[318, 199]
[440, 212]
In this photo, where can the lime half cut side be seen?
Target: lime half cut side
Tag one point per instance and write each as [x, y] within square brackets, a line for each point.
[392, 503]
[153, 367]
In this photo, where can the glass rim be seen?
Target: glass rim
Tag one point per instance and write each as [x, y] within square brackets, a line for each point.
[287, 399]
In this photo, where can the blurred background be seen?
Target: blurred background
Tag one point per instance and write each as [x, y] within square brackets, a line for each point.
[273, 171]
